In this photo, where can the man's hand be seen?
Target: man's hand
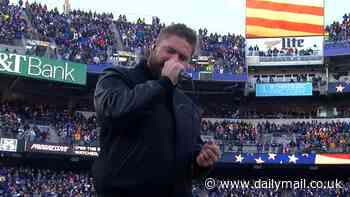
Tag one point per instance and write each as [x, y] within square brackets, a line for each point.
[208, 155]
[171, 69]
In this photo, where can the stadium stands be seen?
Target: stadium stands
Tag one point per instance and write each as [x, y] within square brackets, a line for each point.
[13, 26]
[338, 33]
[83, 37]
[137, 37]
[89, 38]
[268, 136]
[26, 181]
[38, 123]
[339, 30]
[93, 38]
[43, 124]
[76, 129]
[227, 50]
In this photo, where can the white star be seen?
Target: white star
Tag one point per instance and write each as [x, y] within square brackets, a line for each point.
[305, 155]
[259, 160]
[239, 158]
[293, 159]
[272, 156]
[339, 88]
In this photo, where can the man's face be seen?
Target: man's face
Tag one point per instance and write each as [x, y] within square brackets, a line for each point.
[170, 47]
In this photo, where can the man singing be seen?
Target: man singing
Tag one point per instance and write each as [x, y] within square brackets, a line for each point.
[150, 141]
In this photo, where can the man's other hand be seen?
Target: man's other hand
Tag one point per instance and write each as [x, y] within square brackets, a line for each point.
[209, 154]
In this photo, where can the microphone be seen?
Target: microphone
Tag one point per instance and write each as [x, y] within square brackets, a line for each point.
[184, 76]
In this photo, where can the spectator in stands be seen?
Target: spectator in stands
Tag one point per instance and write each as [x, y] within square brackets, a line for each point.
[339, 31]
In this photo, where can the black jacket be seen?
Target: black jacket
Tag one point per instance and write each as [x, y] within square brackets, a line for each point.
[149, 136]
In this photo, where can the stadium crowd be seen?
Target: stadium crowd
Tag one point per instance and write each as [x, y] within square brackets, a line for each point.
[16, 124]
[13, 26]
[339, 30]
[227, 50]
[286, 138]
[46, 124]
[137, 37]
[87, 37]
[91, 38]
[40, 123]
[83, 37]
[76, 129]
[27, 181]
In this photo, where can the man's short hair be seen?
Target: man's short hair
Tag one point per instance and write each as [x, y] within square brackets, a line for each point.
[180, 30]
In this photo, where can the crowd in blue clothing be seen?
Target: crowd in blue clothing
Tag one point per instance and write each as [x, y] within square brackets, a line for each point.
[13, 26]
[227, 50]
[138, 36]
[83, 37]
[89, 37]
[27, 181]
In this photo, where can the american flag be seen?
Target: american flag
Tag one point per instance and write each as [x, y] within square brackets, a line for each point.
[272, 158]
[279, 18]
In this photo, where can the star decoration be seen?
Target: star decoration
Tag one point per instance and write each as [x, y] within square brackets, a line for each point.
[293, 159]
[239, 158]
[272, 156]
[259, 160]
[339, 88]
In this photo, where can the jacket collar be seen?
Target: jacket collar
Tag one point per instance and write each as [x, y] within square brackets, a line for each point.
[141, 73]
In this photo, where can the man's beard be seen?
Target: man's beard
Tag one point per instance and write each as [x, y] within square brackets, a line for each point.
[155, 64]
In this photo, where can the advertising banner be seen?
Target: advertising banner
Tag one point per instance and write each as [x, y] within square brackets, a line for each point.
[8, 145]
[283, 89]
[42, 68]
[284, 51]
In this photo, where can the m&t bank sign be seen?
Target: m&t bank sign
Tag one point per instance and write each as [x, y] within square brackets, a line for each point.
[42, 68]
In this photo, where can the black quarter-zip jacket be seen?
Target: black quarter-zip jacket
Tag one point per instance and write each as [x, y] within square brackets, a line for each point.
[149, 135]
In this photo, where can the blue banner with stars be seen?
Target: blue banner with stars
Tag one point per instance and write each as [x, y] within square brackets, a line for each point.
[338, 88]
[268, 158]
